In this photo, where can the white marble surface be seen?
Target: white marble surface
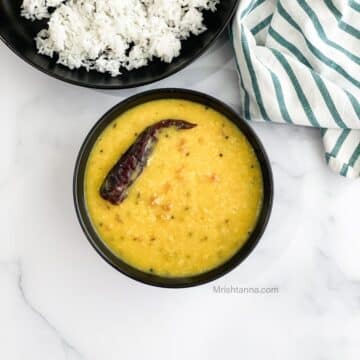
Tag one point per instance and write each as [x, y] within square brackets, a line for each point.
[59, 300]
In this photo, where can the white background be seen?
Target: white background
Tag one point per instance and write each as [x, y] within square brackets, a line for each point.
[60, 300]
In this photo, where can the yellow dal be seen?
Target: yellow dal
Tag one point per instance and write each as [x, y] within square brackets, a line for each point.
[195, 203]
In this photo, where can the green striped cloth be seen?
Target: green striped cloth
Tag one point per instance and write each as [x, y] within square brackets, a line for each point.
[299, 63]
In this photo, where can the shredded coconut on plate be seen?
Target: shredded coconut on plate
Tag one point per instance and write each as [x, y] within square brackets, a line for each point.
[107, 35]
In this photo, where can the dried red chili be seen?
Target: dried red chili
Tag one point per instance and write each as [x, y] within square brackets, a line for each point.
[131, 164]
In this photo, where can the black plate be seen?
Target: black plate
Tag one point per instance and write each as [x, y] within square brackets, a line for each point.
[18, 33]
[103, 250]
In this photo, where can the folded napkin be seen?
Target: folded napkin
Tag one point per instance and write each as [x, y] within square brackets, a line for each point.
[299, 63]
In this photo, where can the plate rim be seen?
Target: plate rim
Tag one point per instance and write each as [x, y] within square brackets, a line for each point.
[131, 86]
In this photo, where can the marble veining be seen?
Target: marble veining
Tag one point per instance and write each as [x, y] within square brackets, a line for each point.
[67, 347]
[59, 300]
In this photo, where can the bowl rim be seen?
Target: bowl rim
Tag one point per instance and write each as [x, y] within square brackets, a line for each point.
[186, 63]
[94, 238]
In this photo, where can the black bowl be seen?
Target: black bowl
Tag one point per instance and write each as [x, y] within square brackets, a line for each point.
[18, 33]
[104, 251]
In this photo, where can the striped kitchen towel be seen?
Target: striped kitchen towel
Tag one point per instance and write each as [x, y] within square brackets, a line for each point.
[299, 63]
